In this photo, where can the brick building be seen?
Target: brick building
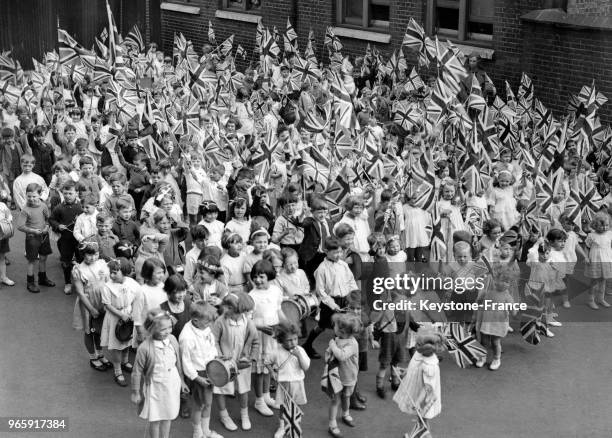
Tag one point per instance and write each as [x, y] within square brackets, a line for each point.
[560, 44]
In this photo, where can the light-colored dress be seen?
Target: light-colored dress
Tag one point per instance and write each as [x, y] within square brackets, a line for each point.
[93, 278]
[162, 396]
[235, 336]
[121, 296]
[494, 322]
[600, 255]
[242, 228]
[416, 221]
[423, 374]
[233, 272]
[266, 313]
[290, 376]
[504, 206]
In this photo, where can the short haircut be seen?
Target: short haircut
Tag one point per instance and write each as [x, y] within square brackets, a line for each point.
[287, 199]
[489, 225]
[352, 201]
[83, 161]
[343, 229]
[149, 266]
[175, 283]
[285, 329]
[228, 238]
[117, 177]
[386, 195]
[33, 187]
[69, 185]
[263, 267]
[90, 199]
[61, 165]
[199, 232]
[7, 133]
[120, 264]
[81, 142]
[122, 204]
[245, 172]
[69, 128]
[317, 203]
[40, 131]
[202, 310]
[103, 218]
[155, 317]
[107, 171]
[220, 169]
[331, 243]
[27, 158]
[347, 323]
[287, 252]
[556, 234]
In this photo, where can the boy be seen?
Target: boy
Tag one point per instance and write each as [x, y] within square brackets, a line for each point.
[62, 220]
[106, 190]
[43, 153]
[65, 142]
[32, 220]
[214, 189]
[199, 237]
[154, 179]
[198, 347]
[10, 155]
[240, 183]
[334, 281]
[285, 232]
[87, 176]
[118, 186]
[81, 147]
[26, 178]
[125, 228]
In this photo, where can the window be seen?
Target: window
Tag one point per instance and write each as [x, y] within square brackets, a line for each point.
[461, 20]
[243, 5]
[363, 13]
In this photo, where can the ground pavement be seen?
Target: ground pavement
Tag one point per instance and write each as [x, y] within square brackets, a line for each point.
[559, 389]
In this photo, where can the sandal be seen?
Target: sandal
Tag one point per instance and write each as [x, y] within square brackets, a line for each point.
[120, 380]
[335, 432]
[127, 367]
[95, 366]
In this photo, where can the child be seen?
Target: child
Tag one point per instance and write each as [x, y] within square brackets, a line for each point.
[152, 293]
[395, 256]
[542, 278]
[346, 237]
[32, 221]
[88, 278]
[165, 167]
[316, 229]
[421, 383]
[199, 239]
[198, 347]
[492, 231]
[6, 218]
[507, 261]
[291, 363]
[240, 221]
[599, 269]
[214, 189]
[85, 223]
[151, 246]
[209, 212]
[450, 212]
[118, 186]
[364, 339]
[26, 178]
[334, 281]
[416, 220]
[292, 279]
[267, 313]
[124, 227]
[556, 238]
[232, 262]
[237, 340]
[118, 298]
[208, 285]
[259, 241]
[139, 178]
[570, 250]
[501, 200]
[157, 376]
[357, 218]
[62, 221]
[285, 232]
[105, 237]
[106, 191]
[176, 233]
[494, 323]
[194, 176]
[88, 178]
[344, 349]
[62, 172]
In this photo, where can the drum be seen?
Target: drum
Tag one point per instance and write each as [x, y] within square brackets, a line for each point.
[6, 230]
[292, 310]
[308, 304]
[221, 372]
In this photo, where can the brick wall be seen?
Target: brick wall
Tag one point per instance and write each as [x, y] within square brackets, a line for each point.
[590, 7]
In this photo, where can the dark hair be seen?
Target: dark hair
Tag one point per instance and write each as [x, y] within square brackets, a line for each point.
[263, 267]
[120, 264]
[107, 171]
[86, 160]
[343, 229]
[199, 232]
[286, 199]
[544, 246]
[117, 177]
[69, 185]
[33, 187]
[239, 202]
[149, 266]
[208, 207]
[556, 234]
[489, 225]
[318, 203]
[174, 283]
[285, 329]
[90, 199]
[228, 238]
[202, 310]
[331, 243]
[386, 195]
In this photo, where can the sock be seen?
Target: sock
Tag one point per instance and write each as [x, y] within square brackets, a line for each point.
[244, 412]
[117, 369]
[260, 400]
[93, 356]
[223, 413]
[42, 274]
[30, 279]
[347, 413]
[205, 425]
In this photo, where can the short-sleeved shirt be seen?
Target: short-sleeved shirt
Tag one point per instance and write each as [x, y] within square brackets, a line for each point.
[34, 217]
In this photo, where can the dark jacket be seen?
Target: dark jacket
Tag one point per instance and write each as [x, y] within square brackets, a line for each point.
[312, 238]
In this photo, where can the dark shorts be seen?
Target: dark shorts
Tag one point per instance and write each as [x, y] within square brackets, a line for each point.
[363, 361]
[37, 246]
[4, 246]
[325, 317]
[392, 352]
[196, 390]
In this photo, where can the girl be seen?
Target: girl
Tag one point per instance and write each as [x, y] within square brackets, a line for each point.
[237, 340]
[542, 278]
[501, 200]
[450, 211]
[357, 218]
[275, 257]
[209, 212]
[507, 261]
[208, 285]
[421, 384]
[395, 256]
[240, 221]
[233, 261]
[85, 223]
[259, 241]
[291, 279]
[345, 349]
[291, 363]
[6, 219]
[416, 220]
[176, 232]
[157, 379]
[492, 231]
[599, 242]
[494, 323]
[571, 248]
[261, 210]
[105, 237]
[118, 298]
[193, 175]
[88, 280]
[152, 294]
[151, 246]
[266, 314]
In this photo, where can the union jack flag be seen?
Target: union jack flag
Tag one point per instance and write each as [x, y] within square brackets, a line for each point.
[463, 347]
[331, 40]
[414, 37]
[420, 429]
[134, 38]
[291, 414]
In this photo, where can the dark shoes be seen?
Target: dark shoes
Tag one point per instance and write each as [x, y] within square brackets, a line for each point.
[44, 281]
[356, 404]
[32, 287]
[97, 365]
[120, 380]
[362, 398]
[335, 432]
[185, 411]
[380, 391]
[127, 367]
[395, 383]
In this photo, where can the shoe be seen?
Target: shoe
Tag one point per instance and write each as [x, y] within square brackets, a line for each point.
[311, 353]
[280, 432]
[335, 432]
[7, 281]
[197, 432]
[7, 262]
[495, 364]
[213, 434]
[32, 287]
[591, 304]
[105, 362]
[356, 404]
[603, 303]
[120, 380]
[246, 422]
[101, 367]
[480, 362]
[127, 367]
[549, 334]
[510, 329]
[185, 411]
[228, 423]
[44, 281]
[362, 398]
[566, 304]
[551, 322]
[263, 409]
[380, 392]
[395, 383]
[348, 420]
[68, 289]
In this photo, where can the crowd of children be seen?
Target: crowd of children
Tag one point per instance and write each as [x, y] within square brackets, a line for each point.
[197, 257]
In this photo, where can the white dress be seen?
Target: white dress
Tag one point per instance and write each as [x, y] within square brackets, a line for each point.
[600, 255]
[267, 308]
[121, 296]
[416, 221]
[423, 371]
[216, 232]
[162, 397]
[504, 206]
[242, 228]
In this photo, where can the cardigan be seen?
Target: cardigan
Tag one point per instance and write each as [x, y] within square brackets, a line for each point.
[251, 342]
[143, 363]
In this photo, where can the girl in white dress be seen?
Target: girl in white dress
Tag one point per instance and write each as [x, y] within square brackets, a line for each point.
[232, 262]
[450, 212]
[151, 295]
[118, 297]
[240, 222]
[357, 217]
[599, 270]
[502, 201]
[157, 380]
[416, 220]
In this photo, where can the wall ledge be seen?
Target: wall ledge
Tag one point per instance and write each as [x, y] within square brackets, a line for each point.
[237, 16]
[177, 7]
[359, 34]
[558, 17]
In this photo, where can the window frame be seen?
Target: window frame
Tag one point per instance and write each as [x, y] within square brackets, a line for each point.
[366, 23]
[462, 34]
[225, 5]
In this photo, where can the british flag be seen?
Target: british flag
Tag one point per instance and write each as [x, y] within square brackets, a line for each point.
[462, 346]
[291, 414]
